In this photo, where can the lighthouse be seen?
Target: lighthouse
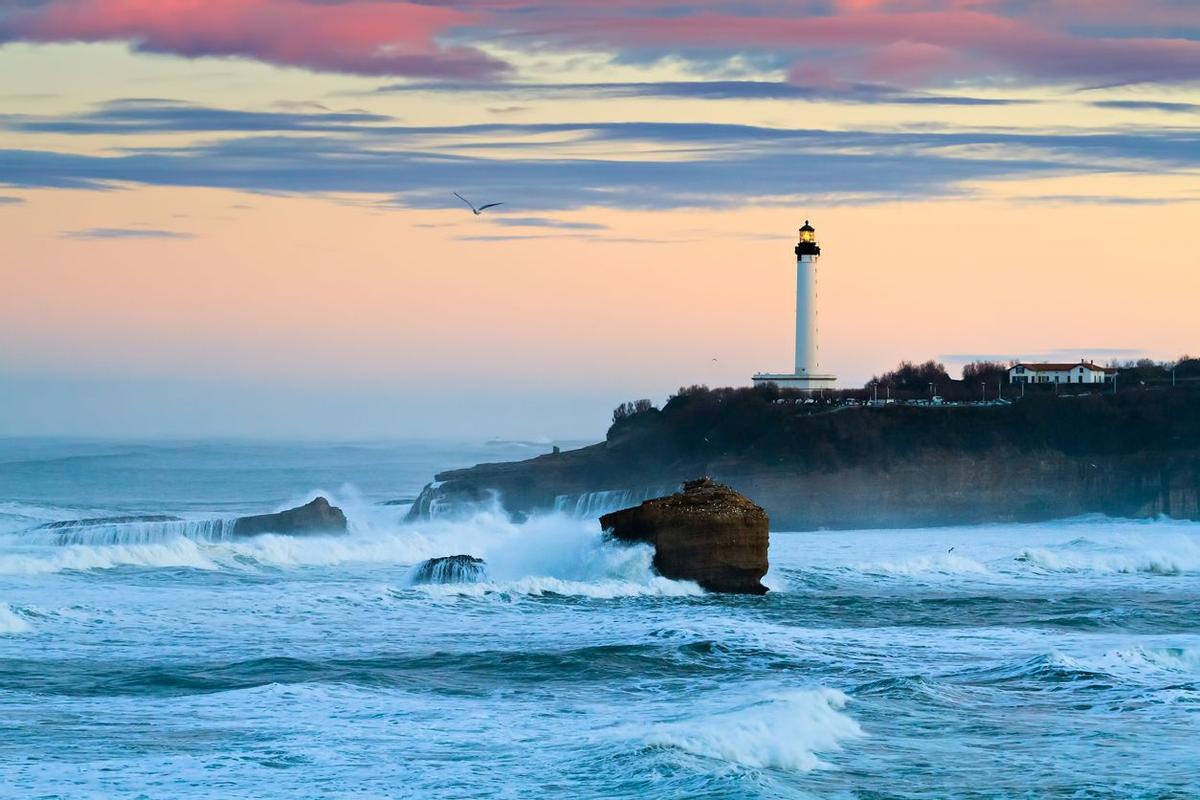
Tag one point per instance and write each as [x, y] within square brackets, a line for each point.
[807, 374]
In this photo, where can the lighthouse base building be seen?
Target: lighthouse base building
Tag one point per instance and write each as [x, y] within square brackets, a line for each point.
[807, 375]
[790, 380]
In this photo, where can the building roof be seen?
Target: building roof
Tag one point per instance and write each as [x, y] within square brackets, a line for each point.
[1048, 367]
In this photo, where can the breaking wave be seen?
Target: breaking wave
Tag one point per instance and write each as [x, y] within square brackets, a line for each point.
[179, 552]
[1163, 555]
[10, 622]
[547, 554]
[136, 533]
[595, 504]
[1138, 665]
[786, 732]
[942, 564]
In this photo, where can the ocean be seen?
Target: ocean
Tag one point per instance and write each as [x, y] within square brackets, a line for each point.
[157, 659]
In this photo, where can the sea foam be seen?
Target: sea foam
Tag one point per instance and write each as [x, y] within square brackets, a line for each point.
[1163, 554]
[786, 731]
[552, 553]
[10, 622]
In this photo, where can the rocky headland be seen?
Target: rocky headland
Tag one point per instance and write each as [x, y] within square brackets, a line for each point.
[1133, 454]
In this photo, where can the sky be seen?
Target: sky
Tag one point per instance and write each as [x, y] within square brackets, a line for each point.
[236, 217]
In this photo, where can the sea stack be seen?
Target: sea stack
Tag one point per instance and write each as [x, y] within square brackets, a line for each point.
[708, 533]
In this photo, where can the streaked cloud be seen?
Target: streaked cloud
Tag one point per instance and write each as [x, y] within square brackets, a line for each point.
[91, 234]
[1057, 354]
[1108, 200]
[154, 115]
[545, 222]
[1149, 105]
[704, 90]
[540, 166]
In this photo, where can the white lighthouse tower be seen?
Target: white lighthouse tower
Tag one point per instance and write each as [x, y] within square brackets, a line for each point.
[807, 375]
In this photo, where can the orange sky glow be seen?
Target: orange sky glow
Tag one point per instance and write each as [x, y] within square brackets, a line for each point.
[212, 245]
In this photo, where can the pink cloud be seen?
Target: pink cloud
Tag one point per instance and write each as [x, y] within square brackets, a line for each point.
[366, 38]
[903, 42]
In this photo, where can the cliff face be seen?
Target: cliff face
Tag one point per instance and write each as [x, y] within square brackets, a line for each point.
[1133, 456]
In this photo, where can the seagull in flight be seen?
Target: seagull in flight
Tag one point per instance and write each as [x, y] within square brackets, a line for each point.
[481, 209]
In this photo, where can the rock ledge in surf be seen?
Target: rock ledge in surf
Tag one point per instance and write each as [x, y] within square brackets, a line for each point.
[96, 522]
[315, 517]
[449, 569]
[708, 533]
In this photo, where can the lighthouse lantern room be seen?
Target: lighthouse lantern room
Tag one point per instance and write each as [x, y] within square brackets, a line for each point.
[807, 375]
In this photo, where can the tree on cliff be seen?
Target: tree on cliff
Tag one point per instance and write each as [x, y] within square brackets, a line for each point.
[1187, 368]
[631, 409]
[988, 372]
[1144, 370]
[910, 377]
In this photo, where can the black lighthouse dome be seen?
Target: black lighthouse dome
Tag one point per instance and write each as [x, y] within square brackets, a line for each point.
[808, 241]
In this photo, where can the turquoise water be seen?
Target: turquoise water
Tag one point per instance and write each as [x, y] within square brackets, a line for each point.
[151, 660]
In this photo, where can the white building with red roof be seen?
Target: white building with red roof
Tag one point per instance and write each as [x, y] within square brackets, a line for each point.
[1081, 372]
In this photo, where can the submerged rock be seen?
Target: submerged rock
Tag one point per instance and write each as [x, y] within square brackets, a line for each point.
[708, 533]
[450, 569]
[315, 517]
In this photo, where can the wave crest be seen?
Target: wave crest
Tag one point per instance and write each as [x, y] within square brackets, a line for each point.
[1168, 555]
[785, 732]
[10, 622]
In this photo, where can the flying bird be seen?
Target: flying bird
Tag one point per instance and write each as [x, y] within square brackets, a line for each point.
[481, 209]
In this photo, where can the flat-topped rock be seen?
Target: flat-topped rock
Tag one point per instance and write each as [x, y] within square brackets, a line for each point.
[708, 533]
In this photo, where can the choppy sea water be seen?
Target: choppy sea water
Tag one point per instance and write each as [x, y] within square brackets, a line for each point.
[151, 660]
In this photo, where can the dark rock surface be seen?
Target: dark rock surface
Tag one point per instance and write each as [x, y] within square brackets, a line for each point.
[449, 569]
[315, 517]
[708, 533]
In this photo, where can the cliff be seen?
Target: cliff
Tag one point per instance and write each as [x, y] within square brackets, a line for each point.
[1135, 454]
